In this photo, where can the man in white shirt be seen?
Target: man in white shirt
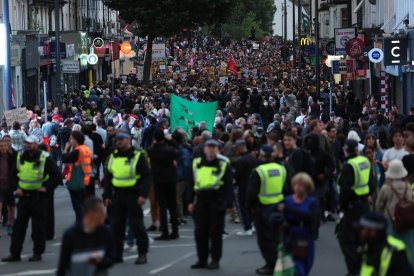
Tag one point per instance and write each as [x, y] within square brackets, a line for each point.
[397, 152]
[300, 119]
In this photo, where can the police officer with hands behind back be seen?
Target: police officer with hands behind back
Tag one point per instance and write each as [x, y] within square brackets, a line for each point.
[36, 173]
[354, 181]
[267, 186]
[212, 195]
[127, 181]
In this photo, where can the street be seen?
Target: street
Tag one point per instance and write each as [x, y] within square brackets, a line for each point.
[240, 257]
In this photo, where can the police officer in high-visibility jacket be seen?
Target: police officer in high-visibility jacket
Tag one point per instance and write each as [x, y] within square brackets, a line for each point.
[267, 186]
[36, 173]
[127, 181]
[355, 182]
[212, 195]
[383, 255]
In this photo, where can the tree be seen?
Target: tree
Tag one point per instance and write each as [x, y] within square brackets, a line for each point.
[168, 17]
[247, 14]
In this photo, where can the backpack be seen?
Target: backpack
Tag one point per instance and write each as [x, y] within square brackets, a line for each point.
[403, 218]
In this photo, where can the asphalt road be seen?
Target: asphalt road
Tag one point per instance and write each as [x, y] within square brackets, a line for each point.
[240, 257]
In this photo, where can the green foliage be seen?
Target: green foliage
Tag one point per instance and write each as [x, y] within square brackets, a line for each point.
[168, 17]
[246, 14]
[242, 30]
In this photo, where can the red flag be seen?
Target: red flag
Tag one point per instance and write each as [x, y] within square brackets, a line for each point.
[12, 96]
[232, 66]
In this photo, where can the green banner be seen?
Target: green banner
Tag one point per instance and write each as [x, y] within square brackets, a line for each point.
[187, 114]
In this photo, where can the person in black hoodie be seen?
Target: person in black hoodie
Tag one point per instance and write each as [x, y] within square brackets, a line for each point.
[324, 167]
[87, 244]
[162, 158]
[255, 100]
[148, 134]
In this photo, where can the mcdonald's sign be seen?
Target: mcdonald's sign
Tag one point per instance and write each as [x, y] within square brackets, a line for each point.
[305, 41]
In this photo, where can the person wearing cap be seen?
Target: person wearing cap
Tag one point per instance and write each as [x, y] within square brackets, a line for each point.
[79, 158]
[37, 173]
[395, 189]
[127, 181]
[242, 169]
[267, 185]
[383, 255]
[354, 181]
[211, 195]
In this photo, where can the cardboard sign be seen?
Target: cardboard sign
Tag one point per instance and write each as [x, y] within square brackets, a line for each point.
[256, 46]
[223, 80]
[16, 115]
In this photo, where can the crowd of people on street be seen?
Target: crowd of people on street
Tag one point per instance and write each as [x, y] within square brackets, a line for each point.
[277, 161]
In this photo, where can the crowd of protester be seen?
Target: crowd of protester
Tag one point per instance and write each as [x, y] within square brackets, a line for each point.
[263, 111]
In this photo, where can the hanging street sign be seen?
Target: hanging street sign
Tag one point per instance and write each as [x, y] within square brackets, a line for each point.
[395, 51]
[376, 55]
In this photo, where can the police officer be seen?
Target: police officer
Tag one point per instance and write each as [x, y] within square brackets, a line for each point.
[212, 195]
[127, 181]
[383, 255]
[355, 181]
[36, 174]
[266, 189]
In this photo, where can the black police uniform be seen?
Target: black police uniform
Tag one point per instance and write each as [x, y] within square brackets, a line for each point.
[33, 204]
[209, 212]
[125, 205]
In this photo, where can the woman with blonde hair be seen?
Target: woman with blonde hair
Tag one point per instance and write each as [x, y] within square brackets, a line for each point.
[34, 129]
[301, 213]
[395, 189]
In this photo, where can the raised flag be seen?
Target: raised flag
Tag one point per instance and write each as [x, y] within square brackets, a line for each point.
[186, 114]
[232, 66]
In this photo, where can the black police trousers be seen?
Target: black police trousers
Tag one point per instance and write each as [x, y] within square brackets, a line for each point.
[125, 205]
[348, 237]
[209, 214]
[32, 206]
[267, 238]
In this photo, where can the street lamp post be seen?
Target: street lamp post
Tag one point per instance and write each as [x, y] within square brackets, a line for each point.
[286, 34]
[7, 65]
[300, 48]
[57, 98]
[294, 34]
[317, 79]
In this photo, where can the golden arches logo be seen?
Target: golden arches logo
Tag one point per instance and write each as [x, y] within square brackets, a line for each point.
[305, 41]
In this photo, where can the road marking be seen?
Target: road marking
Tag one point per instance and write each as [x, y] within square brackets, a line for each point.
[57, 244]
[182, 258]
[173, 245]
[32, 272]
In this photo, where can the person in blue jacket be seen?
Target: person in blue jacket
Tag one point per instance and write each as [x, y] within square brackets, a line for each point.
[301, 214]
